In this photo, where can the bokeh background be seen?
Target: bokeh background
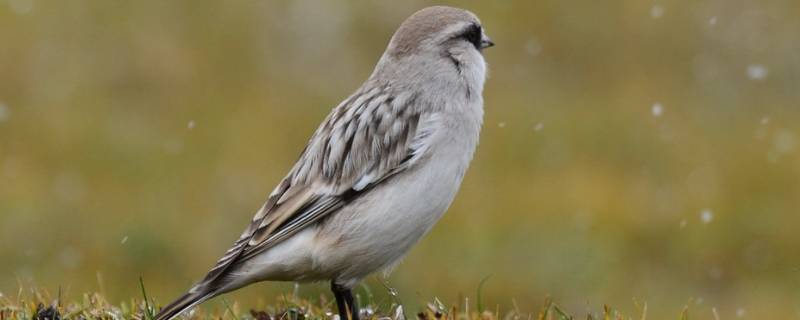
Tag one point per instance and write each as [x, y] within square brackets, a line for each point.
[633, 151]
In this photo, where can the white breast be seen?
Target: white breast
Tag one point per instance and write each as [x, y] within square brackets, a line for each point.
[377, 229]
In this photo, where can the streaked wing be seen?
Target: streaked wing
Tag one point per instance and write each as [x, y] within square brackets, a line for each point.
[370, 137]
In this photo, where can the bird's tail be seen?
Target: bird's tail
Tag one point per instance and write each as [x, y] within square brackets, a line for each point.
[184, 303]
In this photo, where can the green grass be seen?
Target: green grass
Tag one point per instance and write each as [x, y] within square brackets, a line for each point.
[41, 305]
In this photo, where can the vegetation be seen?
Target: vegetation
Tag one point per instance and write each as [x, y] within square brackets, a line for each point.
[41, 305]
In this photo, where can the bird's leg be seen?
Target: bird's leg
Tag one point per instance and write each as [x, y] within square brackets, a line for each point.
[348, 306]
[340, 301]
[353, 304]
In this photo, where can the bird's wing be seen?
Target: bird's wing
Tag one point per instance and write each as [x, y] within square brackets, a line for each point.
[370, 137]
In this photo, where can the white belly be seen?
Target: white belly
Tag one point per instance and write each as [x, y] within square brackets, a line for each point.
[374, 231]
[377, 230]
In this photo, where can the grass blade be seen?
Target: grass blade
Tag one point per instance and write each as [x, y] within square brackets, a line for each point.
[148, 312]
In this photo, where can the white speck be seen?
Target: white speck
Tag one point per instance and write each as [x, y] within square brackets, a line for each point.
[784, 141]
[538, 127]
[124, 240]
[712, 21]
[740, 312]
[21, 6]
[706, 216]
[191, 124]
[1, 294]
[715, 313]
[532, 47]
[656, 11]
[683, 223]
[3, 112]
[757, 72]
[501, 124]
[657, 109]
[765, 120]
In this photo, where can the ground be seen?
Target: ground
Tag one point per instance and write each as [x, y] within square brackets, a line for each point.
[41, 305]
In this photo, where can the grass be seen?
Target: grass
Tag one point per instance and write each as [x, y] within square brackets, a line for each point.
[41, 305]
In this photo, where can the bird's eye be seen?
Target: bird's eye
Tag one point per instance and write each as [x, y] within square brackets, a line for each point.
[473, 34]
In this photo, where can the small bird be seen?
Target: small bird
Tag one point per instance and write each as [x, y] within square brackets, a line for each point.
[376, 175]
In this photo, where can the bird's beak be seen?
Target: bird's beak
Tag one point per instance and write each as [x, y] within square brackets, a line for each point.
[486, 42]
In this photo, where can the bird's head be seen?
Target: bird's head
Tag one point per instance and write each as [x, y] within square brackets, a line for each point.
[440, 40]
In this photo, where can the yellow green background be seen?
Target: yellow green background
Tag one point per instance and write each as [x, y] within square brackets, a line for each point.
[633, 151]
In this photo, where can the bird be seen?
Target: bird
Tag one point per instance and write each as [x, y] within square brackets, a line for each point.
[376, 175]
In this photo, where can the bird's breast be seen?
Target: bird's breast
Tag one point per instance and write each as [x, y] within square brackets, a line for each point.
[379, 228]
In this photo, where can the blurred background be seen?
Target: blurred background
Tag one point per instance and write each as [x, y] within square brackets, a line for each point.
[633, 151]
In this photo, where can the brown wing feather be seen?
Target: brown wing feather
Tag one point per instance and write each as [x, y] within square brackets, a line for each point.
[369, 137]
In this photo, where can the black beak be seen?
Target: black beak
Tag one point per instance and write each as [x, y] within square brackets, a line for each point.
[486, 42]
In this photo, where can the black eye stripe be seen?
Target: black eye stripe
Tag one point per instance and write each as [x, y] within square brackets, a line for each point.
[473, 34]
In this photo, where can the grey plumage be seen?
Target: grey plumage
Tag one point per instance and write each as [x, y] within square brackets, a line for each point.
[378, 172]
